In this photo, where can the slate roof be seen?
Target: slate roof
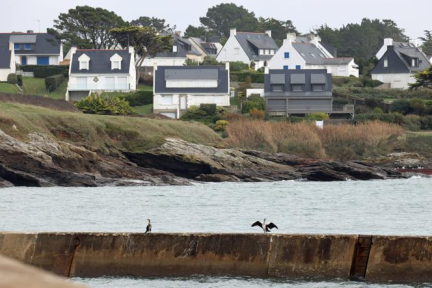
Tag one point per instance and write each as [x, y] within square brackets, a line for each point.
[180, 42]
[5, 56]
[206, 46]
[218, 73]
[100, 62]
[252, 42]
[44, 43]
[314, 56]
[402, 53]
[214, 39]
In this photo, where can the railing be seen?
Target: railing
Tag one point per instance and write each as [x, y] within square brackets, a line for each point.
[337, 109]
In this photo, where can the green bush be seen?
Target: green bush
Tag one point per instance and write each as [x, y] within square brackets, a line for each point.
[238, 66]
[210, 109]
[12, 78]
[139, 98]
[253, 102]
[378, 110]
[319, 116]
[367, 92]
[46, 71]
[206, 114]
[426, 123]
[220, 125]
[20, 80]
[53, 82]
[412, 122]
[401, 106]
[95, 104]
[256, 77]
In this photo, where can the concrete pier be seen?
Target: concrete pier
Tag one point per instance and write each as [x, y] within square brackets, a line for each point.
[400, 259]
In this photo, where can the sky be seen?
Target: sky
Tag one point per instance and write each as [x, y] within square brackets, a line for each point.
[305, 14]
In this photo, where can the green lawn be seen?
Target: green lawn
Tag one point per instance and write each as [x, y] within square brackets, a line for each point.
[8, 88]
[143, 87]
[144, 110]
[36, 86]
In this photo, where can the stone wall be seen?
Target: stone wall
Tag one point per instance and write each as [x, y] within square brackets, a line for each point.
[400, 259]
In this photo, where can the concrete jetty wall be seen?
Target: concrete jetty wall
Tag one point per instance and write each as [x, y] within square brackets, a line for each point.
[403, 259]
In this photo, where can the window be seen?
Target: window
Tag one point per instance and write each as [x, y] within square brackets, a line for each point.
[27, 47]
[317, 87]
[313, 55]
[287, 55]
[116, 65]
[174, 49]
[167, 99]
[298, 67]
[297, 87]
[277, 88]
[272, 52]
[414, 62]
[16, 46]
[302, 54]
[285, 67]
[84, 65]
[267, 51]
[261, 51]
[386, 63]
[237, 51]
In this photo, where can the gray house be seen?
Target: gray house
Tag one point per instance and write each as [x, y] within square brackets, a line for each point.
[300, 92]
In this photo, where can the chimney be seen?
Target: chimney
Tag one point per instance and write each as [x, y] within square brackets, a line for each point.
[315, 39]
[388, 42]
[291, 37]
[178, 33]
[73, 50]
[30, 31]
[233, 32]
[269, 32]
[131, 50]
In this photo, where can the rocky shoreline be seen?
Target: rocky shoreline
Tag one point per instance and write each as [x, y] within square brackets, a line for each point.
[43, 162]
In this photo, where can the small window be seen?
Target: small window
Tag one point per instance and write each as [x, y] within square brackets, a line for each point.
[414, 62]
[84, 65]
[297, 87]
[386, 63]
[277, 88]
[27, 47]
[317, 87]
[261, 51]
[298, 67]
[287, 55]
[313, 55]
[236, 51]
[175, 49]
[116, 65]
[16, 46]
[302, 54]
[267, 51]
[285, 67]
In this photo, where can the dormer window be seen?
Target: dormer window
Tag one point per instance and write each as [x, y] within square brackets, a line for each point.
[84, 62]
[414, 62]
[386, 63]
[116, 62]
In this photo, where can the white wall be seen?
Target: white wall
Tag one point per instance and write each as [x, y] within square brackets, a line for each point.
[278, 61]
[32, 60]
[250, 92]
[4, 73]
[396, 81]
[227, 54]
[168, 61]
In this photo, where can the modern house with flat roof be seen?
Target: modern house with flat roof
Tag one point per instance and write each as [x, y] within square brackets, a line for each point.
[398, 63]
[307, 52]
[34, 48]
[95, 71]
[177, 88]
[254, 49]
[300, 92]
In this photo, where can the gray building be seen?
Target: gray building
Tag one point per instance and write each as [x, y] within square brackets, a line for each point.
[301, 92]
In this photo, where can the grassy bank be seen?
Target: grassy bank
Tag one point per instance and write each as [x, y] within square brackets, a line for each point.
[99, 133]
[342, 142]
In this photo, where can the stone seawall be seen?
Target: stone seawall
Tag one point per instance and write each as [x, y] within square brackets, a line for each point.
[402, 259]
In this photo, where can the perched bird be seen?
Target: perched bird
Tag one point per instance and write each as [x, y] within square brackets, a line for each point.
[149, 227]
[266, 227]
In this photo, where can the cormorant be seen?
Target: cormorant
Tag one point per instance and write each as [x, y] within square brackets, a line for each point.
[149, 227]
[266, 227]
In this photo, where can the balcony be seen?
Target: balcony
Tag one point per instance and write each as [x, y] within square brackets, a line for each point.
[336, 109]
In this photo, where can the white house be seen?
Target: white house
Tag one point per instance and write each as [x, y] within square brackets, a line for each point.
[254, 49]
[398, 62]
[307, 52]
[176, 88]
[34, 48]
[100, 71]
[7, 61]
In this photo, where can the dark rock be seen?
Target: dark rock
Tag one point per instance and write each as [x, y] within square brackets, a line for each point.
[217, 178]
[5, 184]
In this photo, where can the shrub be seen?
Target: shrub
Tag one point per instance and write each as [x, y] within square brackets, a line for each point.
[139, 98]
[12, 78]
[46, 71]
[210, 109]
[53, 82]
[401, 106]
[378, 110]
[256, 114]
[20, 80]
[319, 116]
[426, 123]
[412, 122]
[230, 116]
[256, 77]
[238, 66]
[95, 104]
[417, 106]
[221, 125]
[147, 79]
[253, 102]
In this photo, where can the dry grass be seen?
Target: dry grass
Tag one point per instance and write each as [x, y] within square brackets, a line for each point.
[38, 101]
[342, 142]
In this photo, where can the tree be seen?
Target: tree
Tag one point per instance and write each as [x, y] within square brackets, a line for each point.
[223, 17]
[201, 31]
[427, 39]
[155, 23]
[144, 40]
[423, 79]
[88, 27]
[279, 28]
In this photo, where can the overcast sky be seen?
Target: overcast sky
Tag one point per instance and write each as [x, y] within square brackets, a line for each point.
[21, 15]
